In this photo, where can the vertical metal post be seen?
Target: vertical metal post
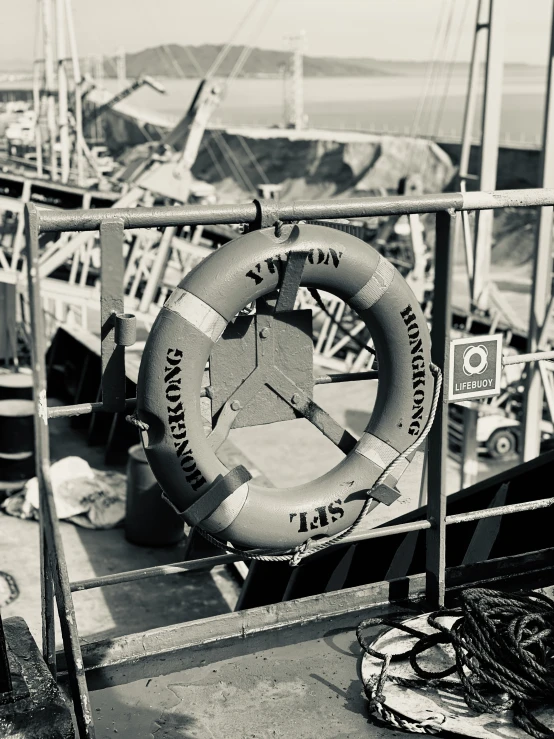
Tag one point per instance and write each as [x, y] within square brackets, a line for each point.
[158, 268]
[49, 79]
[63, 120]
[53, 563]
[42, 441]
[438, 436]
[79, 141]
[542, 276]
[489, 150]
[113, 356]
[469, 464]
[37, 110]
[5, 674]
[17, 243]
[467, 137]
[471, 99]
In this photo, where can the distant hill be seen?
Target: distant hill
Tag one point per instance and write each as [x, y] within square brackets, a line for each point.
[173, 60]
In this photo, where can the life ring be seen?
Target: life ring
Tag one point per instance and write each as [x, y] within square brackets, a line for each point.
[226, 503]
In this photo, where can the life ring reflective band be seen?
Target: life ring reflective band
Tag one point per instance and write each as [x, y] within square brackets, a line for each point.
[225, 502]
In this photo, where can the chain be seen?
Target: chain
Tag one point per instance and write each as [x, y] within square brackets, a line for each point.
[13, 593]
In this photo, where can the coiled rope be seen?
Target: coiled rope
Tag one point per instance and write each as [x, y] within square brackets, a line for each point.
[504, 647]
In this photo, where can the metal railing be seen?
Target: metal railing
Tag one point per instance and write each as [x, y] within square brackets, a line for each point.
[258, 214]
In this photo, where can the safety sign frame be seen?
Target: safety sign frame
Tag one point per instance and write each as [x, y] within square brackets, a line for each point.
[475, 367]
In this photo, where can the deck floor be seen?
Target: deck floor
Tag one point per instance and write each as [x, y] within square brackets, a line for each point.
[310, 690]
[285, 453]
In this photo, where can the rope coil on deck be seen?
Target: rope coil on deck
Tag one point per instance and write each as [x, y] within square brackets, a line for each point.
[504, 657]
[310, 546]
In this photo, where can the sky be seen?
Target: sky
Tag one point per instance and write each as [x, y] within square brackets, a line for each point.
[380, 29]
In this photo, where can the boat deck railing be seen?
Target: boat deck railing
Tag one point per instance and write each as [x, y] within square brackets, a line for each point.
[102, 662]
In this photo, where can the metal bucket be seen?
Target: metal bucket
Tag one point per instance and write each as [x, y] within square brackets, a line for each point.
[149, 521]
[16, 386]
[17, 441]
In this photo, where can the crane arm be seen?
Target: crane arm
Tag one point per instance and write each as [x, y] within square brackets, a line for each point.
[122, 94]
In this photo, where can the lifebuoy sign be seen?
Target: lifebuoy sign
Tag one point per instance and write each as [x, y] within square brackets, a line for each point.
[475, 367]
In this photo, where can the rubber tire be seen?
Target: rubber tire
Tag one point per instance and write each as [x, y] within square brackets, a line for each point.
[499, 436]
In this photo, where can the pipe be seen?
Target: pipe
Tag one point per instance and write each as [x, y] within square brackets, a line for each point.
[90, 220]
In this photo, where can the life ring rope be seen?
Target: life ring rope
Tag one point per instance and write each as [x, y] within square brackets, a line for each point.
[311, 546]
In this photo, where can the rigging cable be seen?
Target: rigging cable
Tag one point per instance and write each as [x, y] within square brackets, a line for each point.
[176, 66]
[240, 177]
[252, 157]
[195, 62]
[430, 72]
[225, 50]
[434, 129]
[439, 69]
[207, 145]
[243, 175]
[247, 50]
[424, 95]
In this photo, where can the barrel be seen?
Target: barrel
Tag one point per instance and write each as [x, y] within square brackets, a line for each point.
[17, 441]
[149, 520]
[16, 386]
[16, 469]
[16, 426]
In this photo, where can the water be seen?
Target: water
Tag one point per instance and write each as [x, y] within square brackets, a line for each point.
[364, 103]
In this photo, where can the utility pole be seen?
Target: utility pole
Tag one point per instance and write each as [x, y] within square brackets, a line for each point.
[63, 119]
[489, 150]
[541, 305]
[50, 85]
[297, 107]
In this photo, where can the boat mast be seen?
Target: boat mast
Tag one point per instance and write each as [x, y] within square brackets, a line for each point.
[78, 81]
[63, 119]
[37, 105]
[467, 137]
[538, 378]
[492, 100]
[50, 84]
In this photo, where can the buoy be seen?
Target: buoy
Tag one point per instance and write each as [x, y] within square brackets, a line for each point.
[148, 520]
[226, 502]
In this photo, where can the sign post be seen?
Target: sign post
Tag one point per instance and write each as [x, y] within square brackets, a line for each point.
[475, 367]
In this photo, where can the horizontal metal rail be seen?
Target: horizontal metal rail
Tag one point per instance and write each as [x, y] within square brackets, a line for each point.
[189, 215]
[532, 505]
[208, 563]
[523, 358]
[81, 409]
[176, 568]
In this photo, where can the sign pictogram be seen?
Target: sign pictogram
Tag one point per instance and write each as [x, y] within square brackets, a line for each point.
[475, 367]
